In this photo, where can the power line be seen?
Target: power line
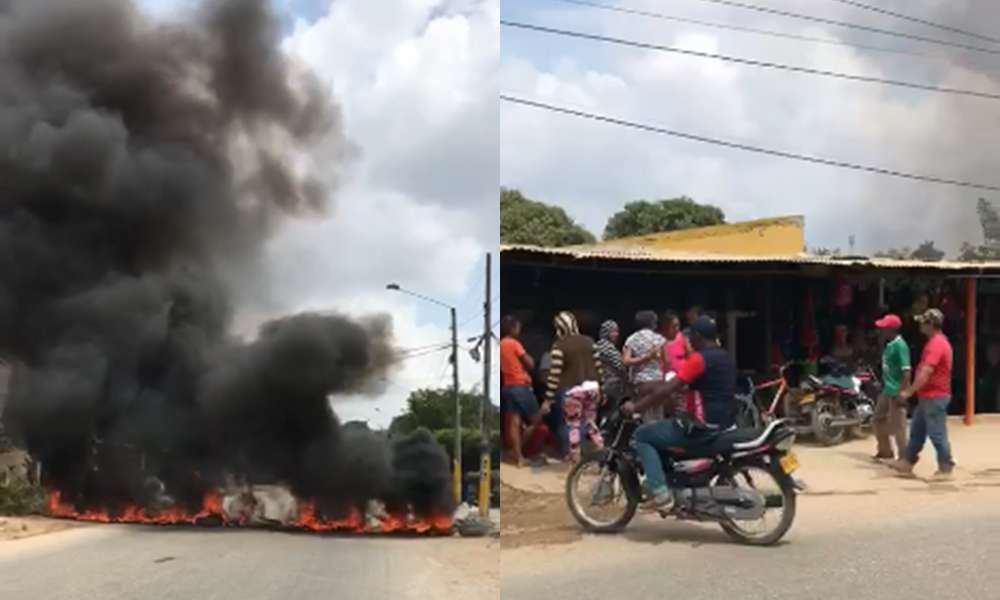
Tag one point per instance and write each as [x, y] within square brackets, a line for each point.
[749, 62]
[420, 348]
[849, 25]
[750, 30]
[889, 13]
[750, 148]
[404, 357]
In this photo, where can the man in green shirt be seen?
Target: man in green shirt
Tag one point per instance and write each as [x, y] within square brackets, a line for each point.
[890, 412]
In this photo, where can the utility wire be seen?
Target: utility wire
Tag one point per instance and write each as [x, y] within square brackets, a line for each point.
[403, 357]
[750, 148]
[896, 15]
[849, 25]
[751, 30]
[421, 348]
[750, 62]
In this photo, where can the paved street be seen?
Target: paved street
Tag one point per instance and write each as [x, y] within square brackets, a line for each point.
[834, 557]
[859, 533]
[124, 562]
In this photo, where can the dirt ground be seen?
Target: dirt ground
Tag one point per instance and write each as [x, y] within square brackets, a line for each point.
[19, 528]
[532, 519]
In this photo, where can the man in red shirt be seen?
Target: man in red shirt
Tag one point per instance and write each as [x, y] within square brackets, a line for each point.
[517, 397]
[932, 387]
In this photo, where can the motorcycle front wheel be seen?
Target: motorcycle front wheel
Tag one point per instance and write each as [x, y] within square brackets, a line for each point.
[597, 497]
[778, 490]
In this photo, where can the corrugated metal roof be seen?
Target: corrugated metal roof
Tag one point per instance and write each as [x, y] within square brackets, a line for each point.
[656, 256]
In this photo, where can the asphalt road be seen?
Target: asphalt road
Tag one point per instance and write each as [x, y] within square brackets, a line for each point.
[150, 563]
[949, 551]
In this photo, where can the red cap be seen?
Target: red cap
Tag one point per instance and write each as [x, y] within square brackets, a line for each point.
[889, 322]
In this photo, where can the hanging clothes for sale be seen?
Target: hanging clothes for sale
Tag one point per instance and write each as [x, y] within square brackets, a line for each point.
[843, 293]
[810, 336]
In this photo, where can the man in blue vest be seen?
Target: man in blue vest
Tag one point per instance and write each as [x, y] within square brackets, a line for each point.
[711, 371]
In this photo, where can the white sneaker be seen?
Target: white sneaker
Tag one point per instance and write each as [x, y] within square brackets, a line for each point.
[660, 503]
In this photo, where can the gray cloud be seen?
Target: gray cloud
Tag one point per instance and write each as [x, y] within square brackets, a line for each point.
[593, 169]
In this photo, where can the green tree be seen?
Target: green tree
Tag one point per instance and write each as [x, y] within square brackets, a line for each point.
[973, 253]
[643, 217]
[897, 253]
[434, 409]
[989, 219]
[927, 252]
[525, 221]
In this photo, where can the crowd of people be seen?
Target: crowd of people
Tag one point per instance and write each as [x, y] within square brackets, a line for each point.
[661, 369]
[585, 379]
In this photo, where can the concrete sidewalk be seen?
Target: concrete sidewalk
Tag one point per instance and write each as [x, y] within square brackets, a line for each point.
[842, 470]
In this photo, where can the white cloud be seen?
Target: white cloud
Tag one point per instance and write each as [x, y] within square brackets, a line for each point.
[418, 86]
[592, 169]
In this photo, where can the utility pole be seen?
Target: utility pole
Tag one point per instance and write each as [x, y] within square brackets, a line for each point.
[457, 461]
[485, 466]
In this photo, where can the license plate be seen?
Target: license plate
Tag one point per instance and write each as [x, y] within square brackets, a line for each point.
[789, 463]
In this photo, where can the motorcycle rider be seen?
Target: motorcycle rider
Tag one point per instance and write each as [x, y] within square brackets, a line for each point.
[710, 370]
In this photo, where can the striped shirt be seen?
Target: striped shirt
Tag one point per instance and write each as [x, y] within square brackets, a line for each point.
[575, 359]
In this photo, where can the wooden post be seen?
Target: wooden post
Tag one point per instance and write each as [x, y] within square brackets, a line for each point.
[970, 350]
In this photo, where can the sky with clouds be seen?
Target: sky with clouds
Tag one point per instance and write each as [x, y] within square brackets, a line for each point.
[592, 169]
[416, 199]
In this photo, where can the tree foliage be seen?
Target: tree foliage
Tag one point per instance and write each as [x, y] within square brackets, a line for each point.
[434, 409]
[927, 252]
[525, 221]
[903, 253]
[989, 219]
[644, 217]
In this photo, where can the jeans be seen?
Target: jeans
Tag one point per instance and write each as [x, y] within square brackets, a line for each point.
[930, 419]
[650, 439]
[519, 399]
[556, 421]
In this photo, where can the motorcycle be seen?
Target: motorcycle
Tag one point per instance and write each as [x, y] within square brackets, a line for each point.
[828, 407]
[844, 403]
[736, 478]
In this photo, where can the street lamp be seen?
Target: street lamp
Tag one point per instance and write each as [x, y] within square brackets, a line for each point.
[457, 461]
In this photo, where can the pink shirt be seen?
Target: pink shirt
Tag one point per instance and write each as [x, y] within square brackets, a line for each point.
[675, 353]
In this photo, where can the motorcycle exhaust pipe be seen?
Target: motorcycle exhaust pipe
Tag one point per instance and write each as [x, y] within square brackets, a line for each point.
[845, 422]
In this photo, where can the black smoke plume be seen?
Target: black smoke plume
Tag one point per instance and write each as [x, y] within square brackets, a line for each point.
[141, 164]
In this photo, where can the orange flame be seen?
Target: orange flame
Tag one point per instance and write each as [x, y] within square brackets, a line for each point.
[308, 519]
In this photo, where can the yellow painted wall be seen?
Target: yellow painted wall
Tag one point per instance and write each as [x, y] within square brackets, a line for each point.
[765, 237]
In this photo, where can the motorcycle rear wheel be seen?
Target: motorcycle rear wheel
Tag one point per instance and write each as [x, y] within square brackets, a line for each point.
[823, 412]
[786, 485]
[578, 506]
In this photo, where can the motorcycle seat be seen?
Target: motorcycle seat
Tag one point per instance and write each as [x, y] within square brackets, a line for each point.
[720, 443]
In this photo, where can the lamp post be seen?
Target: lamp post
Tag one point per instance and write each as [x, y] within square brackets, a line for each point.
[457, 461]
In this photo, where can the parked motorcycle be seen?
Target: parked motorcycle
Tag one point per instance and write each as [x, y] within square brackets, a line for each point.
[739, 478]
[828, 407]
[844, 403]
